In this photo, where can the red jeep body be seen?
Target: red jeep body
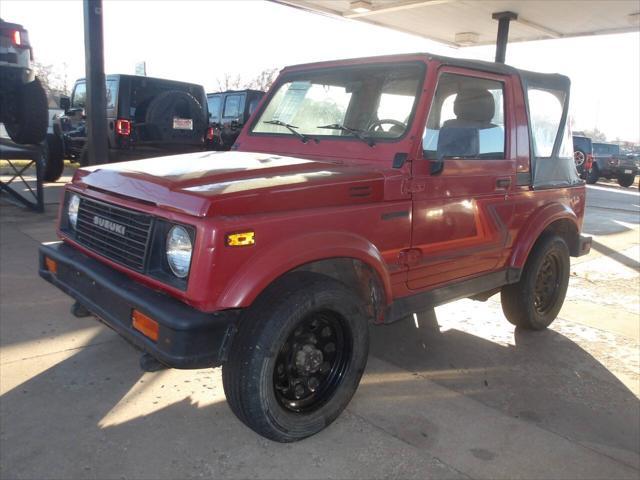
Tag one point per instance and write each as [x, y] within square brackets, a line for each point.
[407, 232]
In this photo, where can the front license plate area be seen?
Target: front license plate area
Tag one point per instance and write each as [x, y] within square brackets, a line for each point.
[627, 171]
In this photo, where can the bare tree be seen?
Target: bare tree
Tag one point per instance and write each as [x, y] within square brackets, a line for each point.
[53, 81]
[595, 135]
[262, 81]
[230, 82]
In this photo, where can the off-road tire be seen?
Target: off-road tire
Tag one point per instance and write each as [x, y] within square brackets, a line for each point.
[248, 375]
[593, 175]
[28, 116]
[519, 299]
[53, 156]
[626, 180]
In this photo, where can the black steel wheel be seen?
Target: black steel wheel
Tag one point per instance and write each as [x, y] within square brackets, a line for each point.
[535, 300]
[298, 357]
[547, 283]
[312, 361]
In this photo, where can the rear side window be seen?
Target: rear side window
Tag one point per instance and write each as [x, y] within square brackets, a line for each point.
[545, 113]
[214, 104]
[112, 93]
[232, 106]
[466, 119]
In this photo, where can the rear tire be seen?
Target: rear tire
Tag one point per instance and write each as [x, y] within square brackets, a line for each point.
[593, 175]
[626, 180]
[53, 158]
[27, 118]
[298, 357]
[534, 302]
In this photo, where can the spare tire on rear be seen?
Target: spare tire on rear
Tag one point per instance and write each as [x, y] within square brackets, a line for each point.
[170, 105]
[27, 118]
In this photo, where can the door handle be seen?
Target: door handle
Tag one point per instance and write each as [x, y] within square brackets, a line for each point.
[503, 183]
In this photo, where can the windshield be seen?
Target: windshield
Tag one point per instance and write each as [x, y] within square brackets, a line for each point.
[376, 101]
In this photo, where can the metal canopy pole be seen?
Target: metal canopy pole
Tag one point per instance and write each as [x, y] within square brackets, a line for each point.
[504, 18]
[96, 90]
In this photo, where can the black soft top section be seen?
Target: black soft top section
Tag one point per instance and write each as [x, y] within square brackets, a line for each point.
[117, 76]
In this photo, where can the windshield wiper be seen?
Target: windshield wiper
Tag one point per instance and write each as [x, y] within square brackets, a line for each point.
[356, 133]
[292, 128]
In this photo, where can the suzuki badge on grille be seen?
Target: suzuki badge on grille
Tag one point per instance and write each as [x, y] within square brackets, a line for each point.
[109, 225]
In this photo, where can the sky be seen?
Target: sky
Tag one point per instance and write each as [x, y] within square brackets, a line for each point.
[200, 41]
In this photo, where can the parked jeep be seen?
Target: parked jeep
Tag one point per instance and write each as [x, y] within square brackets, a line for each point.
[228, 112]
[609, 162]
[146, 117]
[361, 191]
[23, 100]
[582, 154]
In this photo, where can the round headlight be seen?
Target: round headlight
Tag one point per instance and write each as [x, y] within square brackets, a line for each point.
[179, 250]
[72, 211]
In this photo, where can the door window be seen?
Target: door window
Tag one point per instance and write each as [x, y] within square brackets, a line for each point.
[466, 119]
[79, 99]
[232, 106]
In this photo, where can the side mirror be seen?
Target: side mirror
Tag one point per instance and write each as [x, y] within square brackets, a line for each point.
[65, 103]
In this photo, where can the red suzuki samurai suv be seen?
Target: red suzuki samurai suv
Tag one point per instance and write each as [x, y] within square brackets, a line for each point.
[360, 191]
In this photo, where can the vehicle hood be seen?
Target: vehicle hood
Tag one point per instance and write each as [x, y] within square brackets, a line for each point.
[235, 183]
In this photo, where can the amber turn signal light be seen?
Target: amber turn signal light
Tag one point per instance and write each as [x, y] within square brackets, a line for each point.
[145, 325]
[51, 265]
[241, 239]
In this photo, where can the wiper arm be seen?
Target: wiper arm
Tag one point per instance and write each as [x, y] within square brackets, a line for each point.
[356, 133]
[292, 129]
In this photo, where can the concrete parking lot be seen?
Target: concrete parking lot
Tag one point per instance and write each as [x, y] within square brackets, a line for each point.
[455, 393]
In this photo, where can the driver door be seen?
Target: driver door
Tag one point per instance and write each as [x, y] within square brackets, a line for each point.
[460, 211]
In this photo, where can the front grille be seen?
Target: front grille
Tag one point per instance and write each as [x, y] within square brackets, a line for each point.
[117, 233]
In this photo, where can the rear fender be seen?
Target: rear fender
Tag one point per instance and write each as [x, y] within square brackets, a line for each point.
[537, 224]
[268, 266]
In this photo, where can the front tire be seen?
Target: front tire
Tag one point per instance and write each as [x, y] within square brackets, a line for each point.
[298, 357]
[626, 180]
[534, 302]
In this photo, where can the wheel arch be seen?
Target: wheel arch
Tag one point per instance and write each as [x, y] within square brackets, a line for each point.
[554, 218]
[356, 262]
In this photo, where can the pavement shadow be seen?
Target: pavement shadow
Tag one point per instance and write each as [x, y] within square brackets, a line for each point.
[615, 255]
[94, 415]
[544, 378]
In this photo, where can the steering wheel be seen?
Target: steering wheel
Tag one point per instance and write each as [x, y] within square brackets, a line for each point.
[376, 126]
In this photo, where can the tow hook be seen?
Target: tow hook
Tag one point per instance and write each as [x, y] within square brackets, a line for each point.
[149, 363]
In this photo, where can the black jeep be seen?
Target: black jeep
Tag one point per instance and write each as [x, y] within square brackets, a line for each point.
[23, 100]
[228, 112]
[146, 117]
[609, 162]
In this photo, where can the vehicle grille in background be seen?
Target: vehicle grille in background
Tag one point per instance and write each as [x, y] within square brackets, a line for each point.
[119, 234]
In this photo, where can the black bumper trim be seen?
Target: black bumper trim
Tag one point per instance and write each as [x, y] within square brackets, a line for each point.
[584, 245]
[188, 338]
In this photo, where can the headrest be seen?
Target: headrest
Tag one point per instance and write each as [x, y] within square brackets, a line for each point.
[474, 105]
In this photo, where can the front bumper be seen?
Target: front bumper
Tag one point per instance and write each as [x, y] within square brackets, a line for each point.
[188, 338]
